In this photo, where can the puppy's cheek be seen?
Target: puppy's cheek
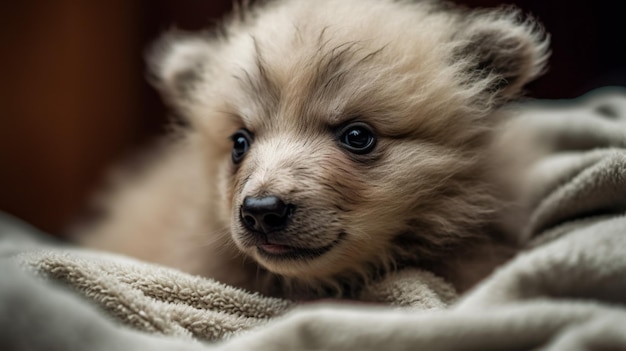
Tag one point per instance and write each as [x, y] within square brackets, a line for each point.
[228, 188]
[224, 188]
[238, 233]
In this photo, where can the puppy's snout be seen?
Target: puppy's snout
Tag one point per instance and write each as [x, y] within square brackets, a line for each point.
[265, 214]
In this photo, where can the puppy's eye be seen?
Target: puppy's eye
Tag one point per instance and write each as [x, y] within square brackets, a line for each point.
[358, 138]
[241, 144]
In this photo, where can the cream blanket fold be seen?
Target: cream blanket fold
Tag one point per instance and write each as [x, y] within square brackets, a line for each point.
[162, 300]
[565, 291]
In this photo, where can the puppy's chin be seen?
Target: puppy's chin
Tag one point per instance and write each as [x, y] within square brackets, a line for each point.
[305, 263]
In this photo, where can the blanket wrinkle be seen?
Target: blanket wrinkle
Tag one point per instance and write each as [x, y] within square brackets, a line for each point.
[584, 336]
[566, 290]
[412, 288]
[521, 326]
[154, 298]
[598, 188]
[564, 268]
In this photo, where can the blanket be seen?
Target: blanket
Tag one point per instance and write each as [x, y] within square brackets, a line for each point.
[565, 291]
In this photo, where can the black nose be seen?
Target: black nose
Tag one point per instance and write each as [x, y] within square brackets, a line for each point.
[265, 214]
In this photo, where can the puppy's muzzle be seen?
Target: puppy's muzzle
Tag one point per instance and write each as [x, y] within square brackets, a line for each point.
[265, 214]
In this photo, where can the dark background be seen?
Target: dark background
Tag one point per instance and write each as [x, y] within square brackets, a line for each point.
[73, 98]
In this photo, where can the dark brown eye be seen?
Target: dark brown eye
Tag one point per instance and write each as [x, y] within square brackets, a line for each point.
[358, 138]
[241, 144]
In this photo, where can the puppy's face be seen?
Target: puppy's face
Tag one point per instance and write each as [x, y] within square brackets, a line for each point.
[348, 137]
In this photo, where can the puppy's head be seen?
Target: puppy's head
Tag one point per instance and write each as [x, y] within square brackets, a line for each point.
[345, 135]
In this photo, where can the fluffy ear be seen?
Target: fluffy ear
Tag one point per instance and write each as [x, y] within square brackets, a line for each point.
[502, 51]
[176, 62]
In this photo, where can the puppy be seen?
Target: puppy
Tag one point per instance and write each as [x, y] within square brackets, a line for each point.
[328, 143]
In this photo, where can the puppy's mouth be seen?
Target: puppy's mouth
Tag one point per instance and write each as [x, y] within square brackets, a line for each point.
[285, 252]
[280, 252]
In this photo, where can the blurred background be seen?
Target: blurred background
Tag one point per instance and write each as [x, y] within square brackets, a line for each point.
[73, 98]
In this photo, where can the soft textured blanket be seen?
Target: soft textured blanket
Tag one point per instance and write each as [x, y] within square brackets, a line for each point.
[566, 291]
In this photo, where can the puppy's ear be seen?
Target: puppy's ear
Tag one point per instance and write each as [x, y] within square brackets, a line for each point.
[176, 63]
[501, 51]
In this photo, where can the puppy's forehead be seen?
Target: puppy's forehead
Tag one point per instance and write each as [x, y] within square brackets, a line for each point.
[310, 81]
[313, 82]
[309, 72]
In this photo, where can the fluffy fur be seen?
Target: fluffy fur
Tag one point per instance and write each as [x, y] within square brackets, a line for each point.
[427, 78]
